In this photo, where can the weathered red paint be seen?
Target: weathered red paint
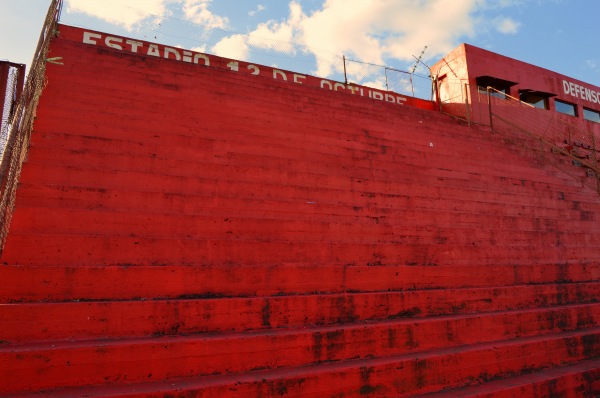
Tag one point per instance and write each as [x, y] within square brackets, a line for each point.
[147, 49]
[60, 283]
[184, 230]
[465, 63]
[87, 363]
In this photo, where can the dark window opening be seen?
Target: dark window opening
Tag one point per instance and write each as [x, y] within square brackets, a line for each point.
[565, 107]
[535, 98]
[591, 115]
[499, 87]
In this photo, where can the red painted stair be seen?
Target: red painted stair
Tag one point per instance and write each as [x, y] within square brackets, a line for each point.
[183, 230]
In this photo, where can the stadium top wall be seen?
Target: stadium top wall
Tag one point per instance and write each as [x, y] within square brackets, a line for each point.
[148, 49]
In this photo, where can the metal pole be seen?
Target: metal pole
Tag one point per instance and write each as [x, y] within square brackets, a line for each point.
[386, 79]
[468, 108]
[345, 77]
[436, 85]
[489, 94]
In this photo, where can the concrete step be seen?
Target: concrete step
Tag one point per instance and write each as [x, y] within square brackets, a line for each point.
[199, 218]
[351, 112]
[581, 379]
[54, 282]
[338, 204]
[368, 155]
[523, 181]
[220, 120]
[399, 375]
[281, 89]
[411, 145]
[204, 314]
[84, 250]
[220, 224]
[274, 185]
[297, 204]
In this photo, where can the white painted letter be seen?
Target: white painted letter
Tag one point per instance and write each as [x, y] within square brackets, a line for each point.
[297, 76]
[204, 57]
[134, 45]
[338, 85]
[234, 66]
[153, 50]
[254, 69]
[390, 98]
[109, 42]
[187, 56]
[377, 95]
[90, 38]
[278, 72]
[571, 88]
[169, 50]
[353, 89]
[566, 86]
[326, 82]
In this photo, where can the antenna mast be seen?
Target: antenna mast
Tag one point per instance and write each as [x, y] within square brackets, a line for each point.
[418, 60]
[412, 85]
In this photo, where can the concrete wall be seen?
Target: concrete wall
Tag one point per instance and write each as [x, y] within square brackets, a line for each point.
[184, 229]
[467, 62]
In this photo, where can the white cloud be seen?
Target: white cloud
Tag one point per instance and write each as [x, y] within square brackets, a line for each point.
[199, 49]
[374, 30]
[507, 26]
[259, 8]
[126, 13]
[378, 83]
[359, 72]
[270, 35]
[273, 36]
[197, 11]
[235, 47]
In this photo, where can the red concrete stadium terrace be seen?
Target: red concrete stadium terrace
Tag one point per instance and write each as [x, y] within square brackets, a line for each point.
[192, 226]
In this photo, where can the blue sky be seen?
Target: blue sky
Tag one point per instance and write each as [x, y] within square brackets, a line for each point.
[560, 35]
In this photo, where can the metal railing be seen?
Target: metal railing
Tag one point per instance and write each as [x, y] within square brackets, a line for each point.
[545, 132]
[386, 78]
[21, 122]
[454, 100]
